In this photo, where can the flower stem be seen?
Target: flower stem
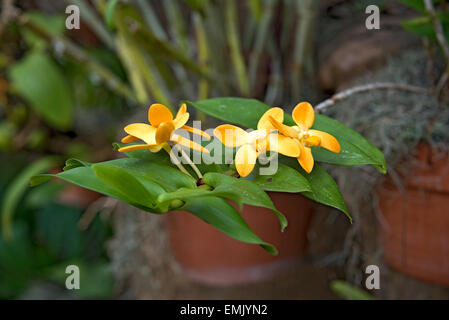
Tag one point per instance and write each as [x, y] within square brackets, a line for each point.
[190, 162]
[167, 148]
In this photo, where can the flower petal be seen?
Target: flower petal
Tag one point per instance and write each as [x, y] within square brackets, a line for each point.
[129, 139]
[156, 147]
[136, 147]
[304, 115]
[181, 120]
[264, 121]
[284, 145]
[245, 159]
[142, 131]
[305, 158]
[182, 110]
[282, 128]
[231, 136]
[196, 131]
[188, 143]
[181, 117]
[327, 141]
[164, 131]
[158, 113]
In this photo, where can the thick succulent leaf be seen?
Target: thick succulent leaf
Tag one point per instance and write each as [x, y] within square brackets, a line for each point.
[220, 214]
[285, 179]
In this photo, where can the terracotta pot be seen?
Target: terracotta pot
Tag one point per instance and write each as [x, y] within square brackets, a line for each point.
[416, 234]
[209, 256]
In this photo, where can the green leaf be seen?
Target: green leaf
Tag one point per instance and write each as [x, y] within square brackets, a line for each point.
[160, 157]
[324, 188]
[220, 214]
[40, 82]
[241, 111]
[224, 186]
[85, 177]
[417, 4]
[169, 178]
[423, 26]
[249, 192]
[53, 24]
[285, 179]
[140, 191]
[356, 150]
[185, 194]
[82, 176]
[17, 189]
[75, 163]
[135, 181]
[349, 292]
[109, 13]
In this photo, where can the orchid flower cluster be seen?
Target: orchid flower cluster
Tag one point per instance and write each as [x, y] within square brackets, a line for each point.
[271, 135]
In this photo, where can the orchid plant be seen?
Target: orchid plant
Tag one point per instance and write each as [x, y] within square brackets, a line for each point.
[153, 177]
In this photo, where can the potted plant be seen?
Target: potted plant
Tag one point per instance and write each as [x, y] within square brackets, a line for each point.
[415, 234]
[270, 169]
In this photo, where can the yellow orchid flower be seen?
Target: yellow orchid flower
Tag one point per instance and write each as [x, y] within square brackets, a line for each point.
[304, 116]
[252, 145]
[161, 130]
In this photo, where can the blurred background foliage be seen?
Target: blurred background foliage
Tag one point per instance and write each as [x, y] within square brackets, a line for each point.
[64, 93]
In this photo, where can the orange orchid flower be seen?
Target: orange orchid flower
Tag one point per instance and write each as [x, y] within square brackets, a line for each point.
[161, 130]
[252, 145]
[304, 116]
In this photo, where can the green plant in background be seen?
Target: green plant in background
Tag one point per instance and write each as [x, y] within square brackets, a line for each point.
[43, 238]
[422, 25]
[217, 56]
[349, 292]
[149, 180]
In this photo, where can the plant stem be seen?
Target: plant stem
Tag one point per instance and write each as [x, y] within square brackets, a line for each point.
[303, 51]
[75, 52]
[236, 54]
[368, 87]
[441, 40]
[203, 60]
[262, 31]
[190, 162]
[91, 18]
[175, 160]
